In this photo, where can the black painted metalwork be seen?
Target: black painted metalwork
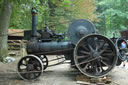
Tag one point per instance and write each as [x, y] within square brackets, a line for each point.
[80, 28]
[34, 22]
[93, 54]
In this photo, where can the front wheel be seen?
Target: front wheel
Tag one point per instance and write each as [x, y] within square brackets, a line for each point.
[30, 67]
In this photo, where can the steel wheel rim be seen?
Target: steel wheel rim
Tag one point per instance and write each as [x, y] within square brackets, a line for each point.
[32, 69]
[89, 65]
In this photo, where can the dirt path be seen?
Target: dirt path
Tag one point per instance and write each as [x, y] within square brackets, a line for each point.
[57, 75]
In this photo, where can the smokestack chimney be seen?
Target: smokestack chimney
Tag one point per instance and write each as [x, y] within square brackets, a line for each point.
[34, 22]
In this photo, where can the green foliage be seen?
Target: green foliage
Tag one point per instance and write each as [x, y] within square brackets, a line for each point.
[21, 17]
[56, 13]
[84, 9]
[113, 15]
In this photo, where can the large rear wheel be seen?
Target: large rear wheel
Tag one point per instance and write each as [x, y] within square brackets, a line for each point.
[95, 55]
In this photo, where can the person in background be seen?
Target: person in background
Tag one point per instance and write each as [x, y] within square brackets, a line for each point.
[127, 50]
[123, 46]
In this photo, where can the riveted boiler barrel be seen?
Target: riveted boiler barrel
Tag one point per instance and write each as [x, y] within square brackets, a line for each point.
[48, 47]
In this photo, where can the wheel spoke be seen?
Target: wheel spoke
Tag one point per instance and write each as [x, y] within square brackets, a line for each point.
[85, 67]
[23, 69]
[102, 45]
[23, 64]
[108, 54]
[97, 43]
[87, 60]
[97, 71]
[85, 48]
[102, 51]
[100, 66]
[84, 52]
[90, 47]
[105, 63]
[79, 57]
[104, 58]
[92, 64]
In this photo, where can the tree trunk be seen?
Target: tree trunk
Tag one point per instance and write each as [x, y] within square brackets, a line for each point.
[51, 7]
[4, 25]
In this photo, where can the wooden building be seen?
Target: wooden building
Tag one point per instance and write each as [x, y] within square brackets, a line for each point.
[16, 42]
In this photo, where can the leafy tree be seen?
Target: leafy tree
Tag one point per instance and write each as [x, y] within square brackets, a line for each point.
[58, 14]
[84, 9]
[113, 15]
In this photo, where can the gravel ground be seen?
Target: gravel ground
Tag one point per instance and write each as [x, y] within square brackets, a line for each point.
[57, 75]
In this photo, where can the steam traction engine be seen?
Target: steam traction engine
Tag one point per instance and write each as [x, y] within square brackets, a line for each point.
[93, 54]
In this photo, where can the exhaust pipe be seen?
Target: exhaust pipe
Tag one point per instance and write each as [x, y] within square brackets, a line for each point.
[34, 23]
